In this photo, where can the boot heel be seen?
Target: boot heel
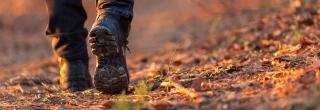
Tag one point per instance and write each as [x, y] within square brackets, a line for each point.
[102, 42]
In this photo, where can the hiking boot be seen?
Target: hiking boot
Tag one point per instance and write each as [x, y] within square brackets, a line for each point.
[108, 41]
[74, 75]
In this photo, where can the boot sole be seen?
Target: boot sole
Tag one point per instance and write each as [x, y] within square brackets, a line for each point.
[107, 79]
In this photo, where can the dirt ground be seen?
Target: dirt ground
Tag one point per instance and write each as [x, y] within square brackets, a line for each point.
[193, 54]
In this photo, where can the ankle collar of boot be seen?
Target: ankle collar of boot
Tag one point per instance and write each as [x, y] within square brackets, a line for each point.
[115, 12]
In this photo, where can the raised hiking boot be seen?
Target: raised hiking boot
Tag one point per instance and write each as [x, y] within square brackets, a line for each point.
[74, 75]
[107, 39]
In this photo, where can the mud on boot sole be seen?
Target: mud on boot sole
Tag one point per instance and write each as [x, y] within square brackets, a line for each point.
[107, 79]
[102, 42]
[110, 80]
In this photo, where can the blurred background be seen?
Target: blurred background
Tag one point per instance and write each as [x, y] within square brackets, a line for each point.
[156, 23]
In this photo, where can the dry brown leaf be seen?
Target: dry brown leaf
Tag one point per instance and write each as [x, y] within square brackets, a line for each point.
[305, 41]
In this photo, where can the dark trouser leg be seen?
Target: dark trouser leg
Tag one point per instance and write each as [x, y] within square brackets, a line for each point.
[123, 8]
[66, 28]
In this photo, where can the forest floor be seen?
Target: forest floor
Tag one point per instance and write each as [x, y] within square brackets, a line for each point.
[270, 63]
